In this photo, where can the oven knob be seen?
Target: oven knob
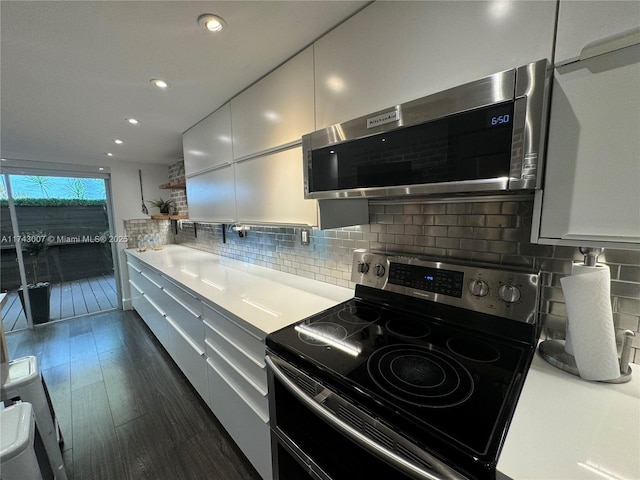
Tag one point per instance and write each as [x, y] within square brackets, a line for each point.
[509, 293]
[478, 288]
[378, 270]
[363, 267]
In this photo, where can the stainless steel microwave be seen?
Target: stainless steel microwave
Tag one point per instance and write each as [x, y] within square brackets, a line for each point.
[482, 137]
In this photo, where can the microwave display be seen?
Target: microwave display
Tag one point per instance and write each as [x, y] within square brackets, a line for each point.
[471, 145]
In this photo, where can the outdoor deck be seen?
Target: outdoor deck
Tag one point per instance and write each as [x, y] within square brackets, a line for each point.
[68, 299]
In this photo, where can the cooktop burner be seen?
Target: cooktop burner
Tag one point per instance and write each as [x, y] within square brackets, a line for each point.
[420, 376]
[473, 349]
[358, 314]
[407, 329]
[322, 333]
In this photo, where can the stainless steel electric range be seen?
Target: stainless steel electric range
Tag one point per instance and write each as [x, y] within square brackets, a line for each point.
[417, 376]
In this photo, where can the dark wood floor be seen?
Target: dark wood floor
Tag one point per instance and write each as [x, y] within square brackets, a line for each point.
[125, 410]
[68, 299]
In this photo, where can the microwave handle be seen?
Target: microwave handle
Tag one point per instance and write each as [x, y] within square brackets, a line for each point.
[351, 432]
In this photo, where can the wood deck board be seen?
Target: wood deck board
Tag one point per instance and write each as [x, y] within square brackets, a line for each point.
[68, 300]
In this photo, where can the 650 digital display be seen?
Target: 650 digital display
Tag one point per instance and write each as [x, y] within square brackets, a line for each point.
[499, 116]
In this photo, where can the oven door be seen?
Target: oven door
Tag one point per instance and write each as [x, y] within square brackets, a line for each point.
[318, 435]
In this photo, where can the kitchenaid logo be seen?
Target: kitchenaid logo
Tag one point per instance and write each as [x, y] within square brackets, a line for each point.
[387, 117]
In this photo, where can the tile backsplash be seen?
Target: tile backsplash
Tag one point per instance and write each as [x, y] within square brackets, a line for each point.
[492, 231]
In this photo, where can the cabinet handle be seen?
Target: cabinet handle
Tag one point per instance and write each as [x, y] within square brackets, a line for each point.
[133, 284]
[209, 323]
[168, 279]
[611, 43]
[258, 362]
[186, 338]
[177, 300]
[151, 280]
[154, 305]
[262, 391]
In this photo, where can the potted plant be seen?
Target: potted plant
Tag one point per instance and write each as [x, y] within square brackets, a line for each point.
[34, 245]
[164, 205]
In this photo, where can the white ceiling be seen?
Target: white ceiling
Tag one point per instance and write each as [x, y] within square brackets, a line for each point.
[72, 71]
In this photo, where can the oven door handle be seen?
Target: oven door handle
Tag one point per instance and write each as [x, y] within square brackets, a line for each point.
[364, 441]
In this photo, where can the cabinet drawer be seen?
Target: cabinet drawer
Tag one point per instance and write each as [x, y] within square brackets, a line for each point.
[248, 428]
[189, 357]
[150, 313]
[187, 314]
[148, 283]
[185, 319]
[186, 298]
[253, 370]
[250, 343]
[251, 392]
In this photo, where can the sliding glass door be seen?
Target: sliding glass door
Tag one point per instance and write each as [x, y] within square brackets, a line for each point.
[57, 258]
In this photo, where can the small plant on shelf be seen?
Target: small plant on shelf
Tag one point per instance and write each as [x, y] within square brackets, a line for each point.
[165, 206]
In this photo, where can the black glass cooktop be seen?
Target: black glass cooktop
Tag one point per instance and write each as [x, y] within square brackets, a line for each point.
[431, 378]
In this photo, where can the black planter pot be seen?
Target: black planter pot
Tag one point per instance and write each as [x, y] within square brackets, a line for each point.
[39, 296]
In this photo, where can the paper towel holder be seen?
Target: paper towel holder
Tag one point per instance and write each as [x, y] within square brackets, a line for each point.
[591, 255]
[553, 352]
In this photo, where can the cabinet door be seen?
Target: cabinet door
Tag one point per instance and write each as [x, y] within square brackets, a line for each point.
[269, 190]
[277, 110]
[584, 24]
[212, 195]
[391, 53]
[208, 143]
[592, 182]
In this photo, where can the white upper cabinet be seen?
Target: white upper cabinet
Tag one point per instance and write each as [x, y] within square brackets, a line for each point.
[212, 195]
[277, 110]
[392, 52]
[208, 144]
[592, 181]
[584, 27]
[270, 190]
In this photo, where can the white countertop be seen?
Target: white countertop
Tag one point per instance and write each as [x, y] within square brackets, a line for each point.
[571, 429]
[268, 299]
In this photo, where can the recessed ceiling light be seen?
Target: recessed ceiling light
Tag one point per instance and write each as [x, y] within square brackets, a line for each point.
[117, 141]
[132, 121]
[159, 83]
[213, 23]
[109, 154]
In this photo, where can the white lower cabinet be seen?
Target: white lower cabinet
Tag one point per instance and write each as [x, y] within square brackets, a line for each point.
[221, 355]
[238, 384]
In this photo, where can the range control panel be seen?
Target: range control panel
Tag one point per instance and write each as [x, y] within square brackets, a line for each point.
[428, 279]
[505, 292]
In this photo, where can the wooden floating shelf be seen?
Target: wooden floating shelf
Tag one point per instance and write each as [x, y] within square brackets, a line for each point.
[174, 184]
[169, 217]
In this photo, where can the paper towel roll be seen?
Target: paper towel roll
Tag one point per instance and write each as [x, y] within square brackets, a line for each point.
[590, 325]
[576, 269]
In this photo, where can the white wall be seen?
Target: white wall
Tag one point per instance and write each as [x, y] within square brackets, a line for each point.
[127, 204]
